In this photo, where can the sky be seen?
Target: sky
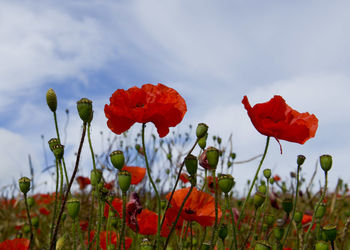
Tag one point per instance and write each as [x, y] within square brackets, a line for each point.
[213, 53]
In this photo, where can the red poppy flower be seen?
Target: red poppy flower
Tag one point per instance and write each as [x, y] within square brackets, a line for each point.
[113, 239]
[117, 204]
[199, 207]
[8, 202]
[211, 184]
[203, 161]
[44, 211]
[184, 177]
[169, 219]
[44, 198]
[306, 222]
[276, 178]
[15, 244]
[109, 185]
[83, 182]
[276, 119]
[84, 224]
[137, 174]
[151, 103]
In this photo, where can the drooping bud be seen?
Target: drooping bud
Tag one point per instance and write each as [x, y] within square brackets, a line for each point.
[262, 245]
[95, 177]
[298, 217]
[262, 189]
[330, 232]
[124, 179]
[73, 207]
[226, 182]
[53, 142]
[84, 107]
[287, 205]
[51, 100]
[213, 157]
[300, 160]
[117, 159]
[321, 210]
[326, 162]
[191, 163]
[201, 130]
[223, 231]
[267, 173]
[259, 199]
[58, 151]
[202, 142]
[24, 184]
[321, 245]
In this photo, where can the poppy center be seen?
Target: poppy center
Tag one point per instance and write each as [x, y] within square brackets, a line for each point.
[189, 211]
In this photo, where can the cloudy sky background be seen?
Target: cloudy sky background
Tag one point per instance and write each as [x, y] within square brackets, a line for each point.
[211, 53]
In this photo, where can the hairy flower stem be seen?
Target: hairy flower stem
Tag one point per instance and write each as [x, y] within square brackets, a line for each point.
[253, 182]
[265, 205]
[55, 206]
[316, 208]
[177, 217]
[74, 235]
[53, 242]
[29, 221]
[257, 219]
[294, 207]
[99, 222]
[213, 242]
[91, 218]
[90, 145]
[122, 236]
[228, 207]
[78, 229]
[153, 185]
[61, 182]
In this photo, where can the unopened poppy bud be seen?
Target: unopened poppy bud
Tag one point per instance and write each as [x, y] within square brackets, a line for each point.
[146, 245]
[213, 157]
[30, 202]
[84, 107]
[202, 142]
[267, 173]
[233, 156]
[298, 217]
[219, 140]
[24, 184]
[321, 210]
[270, 219]
[201, 130]
[300, 160]
[124, 179]
[58, 151]
[278, 233]
[26, 229]
[262, 245]
[259, 199]
[330, 232]
[137, 147]
[223, 231]
[95, 177]
[53, 142]
[191, 163]
[73, 207]
[226, 182]
[326, 162]
[321, 245]
[51, 100]
[35, 222]
[272, 181]
[61, 244]
[262, 189]
[287, 205]
[117, 159]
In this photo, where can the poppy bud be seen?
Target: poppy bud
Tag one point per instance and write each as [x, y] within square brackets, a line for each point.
[330, 232]
[262, 189]
[103, 193]
[219, 140]
[287, 205]
[326, 162]
[95, 177]
[259, 199]
[53, 142]
[117, 159]
[226, 182]
[270, 219]
[298, 217]
[51, 100]
[124, 179]
[191, 163]
[84, 107]
[202, 142]
[73, 207]
[223, 231]
[213, 157]
[278, 233]
[201, 130]
[267, 173]
[300, 160]
[146, 245]
[24, 184]
[61, 244]
[321, 245]
[262, 245]
[30, 202]
[321, 210]
[35, 222]
[272, 181]
[26, 229]
[58, 151]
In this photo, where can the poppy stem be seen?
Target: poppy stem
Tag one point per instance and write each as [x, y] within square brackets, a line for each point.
[294, 207]
[265, 205]
[99, 221]
[213, 242]
[55, 206]
[78, 229]
[122, 237]
[228, 207]
[74, 235]
[253, 182]
[91, 149]
[29, 221]
[153, 185]
[91, 219]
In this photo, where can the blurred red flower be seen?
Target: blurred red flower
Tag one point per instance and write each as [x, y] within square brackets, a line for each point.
[276, 119]
[15, 244]
[151, 103]
[109, 185]
[113, 239]
[137, 174]
[199, 207]
[44, 198]
[44, 211]
[117, 204]
[276, 178]
[306, 222]
[83, 182]
[211, 183]
[184, 177]
[169, 219]
[84, 225]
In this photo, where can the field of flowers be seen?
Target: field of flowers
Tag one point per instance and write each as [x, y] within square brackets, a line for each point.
[193, 205]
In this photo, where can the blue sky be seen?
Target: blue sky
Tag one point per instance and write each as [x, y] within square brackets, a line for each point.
[211, 53]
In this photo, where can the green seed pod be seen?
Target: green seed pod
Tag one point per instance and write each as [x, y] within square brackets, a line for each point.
[24, 184]
[95, 177]
[321, 210]
[58, 151]
[226, 182]
[35, 222]
[73, 207]
[270, 219]
[51, 100]
[262, 189]
[326, 162]
[191, 163]
[117, 159]
[287, 205]
[213, 157]
[124, 179]
[30, 202]
[262, 245]
[300, 160]
[84, 107]
[278, 233]
[259, 199]
[267, 173]
[26, 229]
[321, 245]
[330, 232]
[202, 142]
[298, 217]
[201, 130]
[223, 231]
[53, 142]
[146, 245]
